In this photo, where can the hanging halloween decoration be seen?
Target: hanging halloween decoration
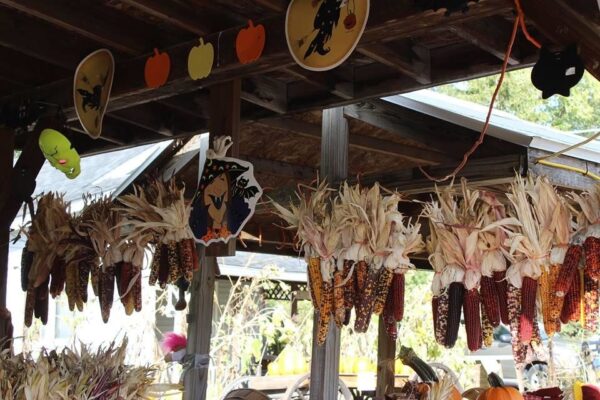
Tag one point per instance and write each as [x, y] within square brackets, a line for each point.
[59, 151]
[91, 90]
[450, 5]
[157, 69]
[556, 72]
[322, 34]
[173, 346]
[200, 60]
[250, 43]
[226, 197]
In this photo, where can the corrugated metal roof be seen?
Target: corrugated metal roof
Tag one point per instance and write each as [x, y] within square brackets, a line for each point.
[503, 125]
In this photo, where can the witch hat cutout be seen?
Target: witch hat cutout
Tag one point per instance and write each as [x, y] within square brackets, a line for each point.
[557, 72]
[91, 90]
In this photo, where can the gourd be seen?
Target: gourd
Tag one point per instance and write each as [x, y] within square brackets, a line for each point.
[498, 391]
[250, 43]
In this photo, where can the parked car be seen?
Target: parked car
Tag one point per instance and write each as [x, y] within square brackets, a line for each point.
[567, 352]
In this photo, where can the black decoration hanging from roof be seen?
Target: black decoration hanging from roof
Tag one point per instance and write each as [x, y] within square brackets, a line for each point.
[556, 72]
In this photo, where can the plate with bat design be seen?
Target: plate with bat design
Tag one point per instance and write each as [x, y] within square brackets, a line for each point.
[321, 34]
[91, 90]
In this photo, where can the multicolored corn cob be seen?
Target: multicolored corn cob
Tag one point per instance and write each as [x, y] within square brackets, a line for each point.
[489, 299]
[590, 302]
[528, 301]
[571, 310]
[514, 314]
[487, 329]
[315, 281]
[349, 288]
[364, 309]
[339, 309]
[565, 277]
[471, 309]
[440, 317]
[456, 295]
[389, 319]
[591, 248]
[398, 288]
[106, 288]
[325, 312]
[381, 290]
[548, 299]
[502, 292]
[360, 280]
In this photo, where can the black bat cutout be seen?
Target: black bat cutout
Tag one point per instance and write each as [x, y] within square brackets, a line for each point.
[556, 72]
[217, 200]
[91, 99]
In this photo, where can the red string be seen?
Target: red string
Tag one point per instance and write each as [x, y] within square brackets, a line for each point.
[519, 21]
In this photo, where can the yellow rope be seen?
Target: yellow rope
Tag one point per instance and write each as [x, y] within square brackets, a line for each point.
[569, 168]
[584, 172]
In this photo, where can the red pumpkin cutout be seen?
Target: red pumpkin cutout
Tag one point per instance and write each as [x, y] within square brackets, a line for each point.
[250, 43]
[157, 69]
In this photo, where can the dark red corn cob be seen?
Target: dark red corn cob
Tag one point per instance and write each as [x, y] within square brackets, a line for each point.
[164, 267]
[489, 298]
[502, 293]
[456, 294]
[565, 277]
[59, 277]
[388, 316]
[571, 309]
[528, 299]
[591, 248]
[42, 298]
[398, 287]
[471, 307]
[590, 286]
[349, 288]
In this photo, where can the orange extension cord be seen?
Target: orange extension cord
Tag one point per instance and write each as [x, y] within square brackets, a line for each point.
[519, 21]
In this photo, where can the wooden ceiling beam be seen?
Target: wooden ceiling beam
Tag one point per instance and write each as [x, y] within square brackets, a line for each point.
[411, 153]
[92, 21]
[283, 169]
[325, 81]
[42, 41]
[176, 14]
[160, 119]
[564, 25]
[390, 19]
[265, 92]
[488, 37]
[413, 61]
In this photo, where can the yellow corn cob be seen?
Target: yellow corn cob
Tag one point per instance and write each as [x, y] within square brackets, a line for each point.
[315, 281]
[546, 282]
[381, 290]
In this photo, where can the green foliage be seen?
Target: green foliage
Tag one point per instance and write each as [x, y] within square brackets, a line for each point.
[519, 97]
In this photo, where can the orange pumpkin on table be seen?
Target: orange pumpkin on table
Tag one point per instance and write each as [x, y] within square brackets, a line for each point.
[250, 43]
[157, 69]
[498, 391]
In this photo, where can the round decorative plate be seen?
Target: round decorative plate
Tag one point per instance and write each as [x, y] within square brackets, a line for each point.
[321, 34]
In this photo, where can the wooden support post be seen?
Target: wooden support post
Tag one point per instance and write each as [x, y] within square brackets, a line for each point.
[224, 120]
[325, 362]
[6, 165]
[386, 352]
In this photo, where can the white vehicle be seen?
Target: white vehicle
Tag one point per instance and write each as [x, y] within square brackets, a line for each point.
[568, 361]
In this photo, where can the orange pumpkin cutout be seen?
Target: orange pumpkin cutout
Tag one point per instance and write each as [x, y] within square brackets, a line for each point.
[498, 391]
[250, 43]
[157, 69]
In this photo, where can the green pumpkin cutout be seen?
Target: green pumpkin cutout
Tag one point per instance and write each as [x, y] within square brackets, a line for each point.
[200, 60]
[60, 153]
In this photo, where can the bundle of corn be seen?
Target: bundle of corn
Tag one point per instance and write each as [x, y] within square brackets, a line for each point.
[73, 375]
[588, 219]
[102, 226]
[555, 216]
[493, 264]
[439, 300]
[318, 234]
[158, 215]
[404, 240]
[43, 269]
[530, 243]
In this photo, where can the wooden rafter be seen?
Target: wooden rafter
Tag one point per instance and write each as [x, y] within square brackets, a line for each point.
[412, 61]
[95, 22]
[390, 20]
[488, 37]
